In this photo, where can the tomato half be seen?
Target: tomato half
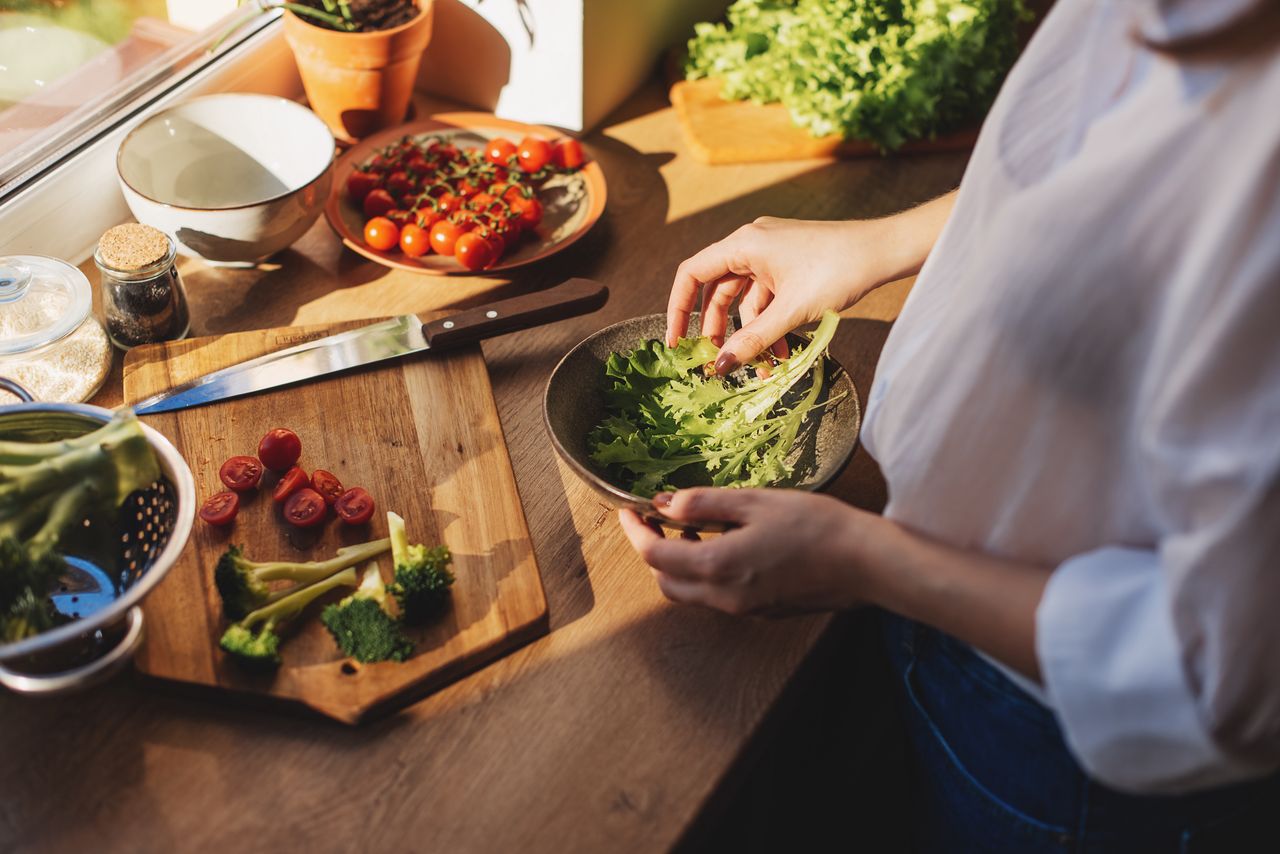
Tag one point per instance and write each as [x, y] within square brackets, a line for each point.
[289, 483]
[381, 233]
[220, 509]
[355, 506]
[377, 203]
[305, 509]
[414, 241]
[533, 154]
[280, 449]
[241, 473]
[327, 484]
[361, 184]
[567, 153]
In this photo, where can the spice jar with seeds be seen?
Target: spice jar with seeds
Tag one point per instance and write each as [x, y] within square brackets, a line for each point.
[50, 343]
[142, 295]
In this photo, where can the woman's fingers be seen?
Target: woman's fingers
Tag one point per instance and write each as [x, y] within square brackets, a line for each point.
[707, 504]
[712, 264]
[688, 560]
[770, 326]
[716, 299]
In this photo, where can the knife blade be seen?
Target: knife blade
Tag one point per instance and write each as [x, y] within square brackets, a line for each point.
[377, 342]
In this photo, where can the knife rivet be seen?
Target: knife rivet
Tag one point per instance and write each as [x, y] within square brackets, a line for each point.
[491, 314]
[448, 324]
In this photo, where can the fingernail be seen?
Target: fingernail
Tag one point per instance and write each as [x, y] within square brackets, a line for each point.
[662, 500]
[718, 340]
[726, 363]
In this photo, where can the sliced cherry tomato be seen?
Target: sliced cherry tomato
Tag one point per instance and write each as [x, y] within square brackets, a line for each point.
[474, 251]
[534, 153]
[305, 509]
[444, 236]
[415, 241]
[289, 483]
[327, 484]
[280, 449]
[529, 210]
[567, 153]
[220, 509]
[381, 233]
[377, 203]
[355, 506]
[241, 473]
[499, 150]
[361, 184]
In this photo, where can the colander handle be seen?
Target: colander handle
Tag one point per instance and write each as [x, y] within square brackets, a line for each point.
[80, 677]
[17, 389]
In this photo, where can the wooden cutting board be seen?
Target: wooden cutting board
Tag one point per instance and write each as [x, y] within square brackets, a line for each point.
[422, 435]
[720, 131]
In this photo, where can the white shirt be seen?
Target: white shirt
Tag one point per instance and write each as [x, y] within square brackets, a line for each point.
[1087, 375]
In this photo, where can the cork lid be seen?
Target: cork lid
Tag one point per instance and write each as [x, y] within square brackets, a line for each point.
[41, 301]
[132, 246]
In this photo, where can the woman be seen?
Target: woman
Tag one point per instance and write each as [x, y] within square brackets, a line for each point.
[1078, 418]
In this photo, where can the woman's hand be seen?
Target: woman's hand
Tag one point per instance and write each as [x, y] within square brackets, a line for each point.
[785, 273]
[792, 551]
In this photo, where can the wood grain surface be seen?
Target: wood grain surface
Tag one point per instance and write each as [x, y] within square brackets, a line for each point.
[616, 730]
[720, 131]
[423, 436]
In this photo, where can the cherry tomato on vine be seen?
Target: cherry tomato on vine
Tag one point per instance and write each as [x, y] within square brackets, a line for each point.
[327, 484]
[499, 151]
[398, 183]
[280, 449]
[401, 217]
[567, 153]
[289, 483]
[377, 203]
[474, 251]
[444, 235]
[428, 217]
[417, 165]
[528, 210]
[534, 153]
[381, 233]
[447, 203]
[414, 241]
[361, 184]
[355, 506]
[241, 473]
[379, 163]
[305, 509]
[220, 509]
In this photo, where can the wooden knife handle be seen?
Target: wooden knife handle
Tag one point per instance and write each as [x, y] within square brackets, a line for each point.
[567, 299]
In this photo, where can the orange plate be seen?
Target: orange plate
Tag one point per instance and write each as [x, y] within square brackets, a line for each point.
[567, 214]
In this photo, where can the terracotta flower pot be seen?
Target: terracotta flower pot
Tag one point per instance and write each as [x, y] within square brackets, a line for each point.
[359, 83]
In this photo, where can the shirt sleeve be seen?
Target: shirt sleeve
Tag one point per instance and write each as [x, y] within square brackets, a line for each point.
[1162, 662]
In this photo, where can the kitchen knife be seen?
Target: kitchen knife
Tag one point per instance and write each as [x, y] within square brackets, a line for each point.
[387, 339]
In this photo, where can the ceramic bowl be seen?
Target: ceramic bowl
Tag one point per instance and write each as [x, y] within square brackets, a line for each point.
[234, 177]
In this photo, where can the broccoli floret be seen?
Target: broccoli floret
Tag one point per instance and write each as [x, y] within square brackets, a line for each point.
[28, 615]
[254, 641]
[361, 625]
[242, 583]
[422, 577]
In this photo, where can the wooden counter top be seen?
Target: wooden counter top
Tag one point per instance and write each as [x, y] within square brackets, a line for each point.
[610, 734]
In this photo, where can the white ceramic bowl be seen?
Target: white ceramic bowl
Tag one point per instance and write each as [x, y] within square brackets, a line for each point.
[234, 177]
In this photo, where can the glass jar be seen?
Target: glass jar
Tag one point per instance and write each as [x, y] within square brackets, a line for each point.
[50, 343]
[143, 298]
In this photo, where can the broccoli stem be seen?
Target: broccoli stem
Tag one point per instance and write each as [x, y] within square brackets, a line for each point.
[68, 508]
[16, 452]
[399, 539]
[309, 573]
[287, 607]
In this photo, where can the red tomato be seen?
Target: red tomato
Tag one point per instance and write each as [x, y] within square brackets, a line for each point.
[279, 449]
[426, 218]
[327, 484]
[567, 153]
[361, 184]
[480, 201]
[446, 151]
[398, 183]
[378, 163]
[289, 483]
[528, 210]
[534, 153]
[414, 241]
[474, 251]
[448, 203]
[417, 165]
[466, 188]
[355, 506]
[377, 203]
[381, 233]
[305, 509]
[444, 235]
[401, 217]
[499, 150]
[220, 509]
[241, 473]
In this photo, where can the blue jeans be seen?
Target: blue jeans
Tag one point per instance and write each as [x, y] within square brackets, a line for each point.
[991, 773]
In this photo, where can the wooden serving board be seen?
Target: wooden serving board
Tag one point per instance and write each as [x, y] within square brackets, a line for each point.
[422, 435]
[720, 131]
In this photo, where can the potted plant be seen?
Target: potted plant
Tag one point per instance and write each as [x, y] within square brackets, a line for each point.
[358, 58]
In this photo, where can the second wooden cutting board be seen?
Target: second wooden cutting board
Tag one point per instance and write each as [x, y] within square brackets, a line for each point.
[422, 435]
